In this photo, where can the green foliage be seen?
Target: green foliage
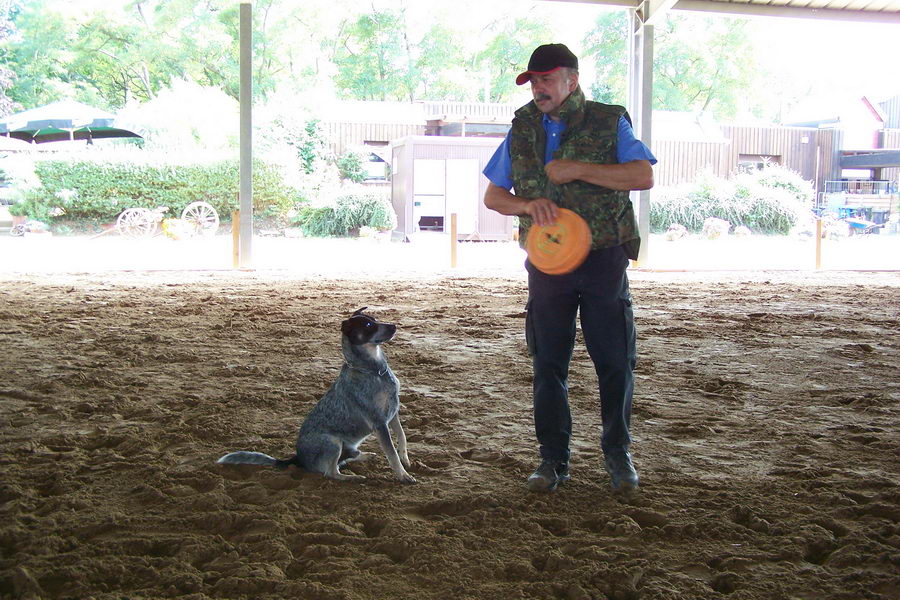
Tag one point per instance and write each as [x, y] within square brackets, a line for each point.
[607, 45]
[373, 62]
[349, 213]
[318, 221]
[441, 65]
[98, 191]
[506, 54]
[768, 201]
[360, 209]
[132, 50]
[700, 63]
[704, 65]
[350, 166]
[311, 145]
[21, 209]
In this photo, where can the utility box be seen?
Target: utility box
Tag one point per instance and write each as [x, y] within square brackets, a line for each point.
[433, 177]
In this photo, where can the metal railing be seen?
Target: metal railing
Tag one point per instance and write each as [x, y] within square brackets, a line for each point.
[872, 188]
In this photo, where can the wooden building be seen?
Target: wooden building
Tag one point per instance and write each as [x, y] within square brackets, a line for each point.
[438, 150]
[436, 176]
[685, 143]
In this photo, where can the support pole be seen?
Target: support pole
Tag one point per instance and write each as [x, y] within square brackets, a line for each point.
[640, 105]
[236, 239]
[818, 244]
[453, 241]
[246, 136]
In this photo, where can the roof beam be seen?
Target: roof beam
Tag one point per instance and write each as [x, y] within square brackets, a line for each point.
[654, 11]
[794, 12]
[747, 8]
[625, 3]
[873, 160]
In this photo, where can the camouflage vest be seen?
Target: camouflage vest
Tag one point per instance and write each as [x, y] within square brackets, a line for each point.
[591, 134]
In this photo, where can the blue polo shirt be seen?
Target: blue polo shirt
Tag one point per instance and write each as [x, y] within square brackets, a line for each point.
[628, 148]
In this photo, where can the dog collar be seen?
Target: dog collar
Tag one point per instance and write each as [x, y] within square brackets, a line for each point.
[379, 373]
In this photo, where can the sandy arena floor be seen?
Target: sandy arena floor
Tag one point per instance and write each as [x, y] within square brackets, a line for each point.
[765, 422]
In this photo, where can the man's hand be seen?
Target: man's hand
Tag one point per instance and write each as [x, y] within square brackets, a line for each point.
[542, 211]
[634, 175]
[563, 170]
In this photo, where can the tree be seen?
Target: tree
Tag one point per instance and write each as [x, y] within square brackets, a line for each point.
[441, 66]
[372, 58]
[704, 64]
[607, 45]
[507, 52]
[133, 50]
[7, 75]
[36, 55]
[700, 63]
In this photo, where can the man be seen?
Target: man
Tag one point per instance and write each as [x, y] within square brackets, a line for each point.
[565, 151]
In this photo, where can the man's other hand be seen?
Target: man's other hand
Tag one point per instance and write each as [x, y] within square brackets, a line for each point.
[542, 211]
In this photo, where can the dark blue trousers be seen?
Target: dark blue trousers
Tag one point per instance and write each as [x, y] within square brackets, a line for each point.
[599, 290]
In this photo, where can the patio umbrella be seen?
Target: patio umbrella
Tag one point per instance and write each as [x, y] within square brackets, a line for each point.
[65, 120]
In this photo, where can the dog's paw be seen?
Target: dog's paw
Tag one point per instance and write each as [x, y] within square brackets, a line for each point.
[366, 456]
[406, 478]
[404, 460]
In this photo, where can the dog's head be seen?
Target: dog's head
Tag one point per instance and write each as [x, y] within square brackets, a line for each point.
[363, 329]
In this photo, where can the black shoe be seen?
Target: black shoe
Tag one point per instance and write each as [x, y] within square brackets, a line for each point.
[550, 474]
[621, 471]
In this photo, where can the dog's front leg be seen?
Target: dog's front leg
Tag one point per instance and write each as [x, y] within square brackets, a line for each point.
[384, 438]
[398, 432]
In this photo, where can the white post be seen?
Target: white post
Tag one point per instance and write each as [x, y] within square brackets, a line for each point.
[640, 106]
[246, 136]
[453, 241]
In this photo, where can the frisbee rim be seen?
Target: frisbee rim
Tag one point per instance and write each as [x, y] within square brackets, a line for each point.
[573, 256]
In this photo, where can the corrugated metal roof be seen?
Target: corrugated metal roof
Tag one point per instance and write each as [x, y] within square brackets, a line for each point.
[883, 11]
[865, 10]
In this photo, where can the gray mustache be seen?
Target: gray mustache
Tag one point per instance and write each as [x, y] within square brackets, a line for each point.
[540, 97]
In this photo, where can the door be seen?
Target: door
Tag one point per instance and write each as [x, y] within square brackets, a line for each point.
[429, 194]
[462, 194]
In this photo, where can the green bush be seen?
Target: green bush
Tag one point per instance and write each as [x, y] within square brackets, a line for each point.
[318, 221]
[350, 166]
[348, 214]
[79, 190]
[768, 201]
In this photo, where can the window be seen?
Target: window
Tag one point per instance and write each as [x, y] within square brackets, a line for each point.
[376, 161]
[748, 163]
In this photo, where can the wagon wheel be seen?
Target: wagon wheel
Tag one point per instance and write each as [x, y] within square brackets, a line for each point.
[136, 223]
[201, 217]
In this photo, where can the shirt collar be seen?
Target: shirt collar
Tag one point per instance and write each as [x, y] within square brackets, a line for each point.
[551, 124]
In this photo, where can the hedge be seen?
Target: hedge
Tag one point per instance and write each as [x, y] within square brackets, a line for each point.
[348, 214]
[768, 201]
[104, 189]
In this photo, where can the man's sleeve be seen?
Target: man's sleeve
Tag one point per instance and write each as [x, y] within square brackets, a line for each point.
[628, 147]
[499, 168]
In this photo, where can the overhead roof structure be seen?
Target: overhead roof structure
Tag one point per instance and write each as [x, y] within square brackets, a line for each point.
[878, 11]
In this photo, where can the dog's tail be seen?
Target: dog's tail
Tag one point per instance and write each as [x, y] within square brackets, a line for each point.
[243, 457]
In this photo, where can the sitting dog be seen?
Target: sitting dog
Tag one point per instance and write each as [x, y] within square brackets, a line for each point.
[363, 400]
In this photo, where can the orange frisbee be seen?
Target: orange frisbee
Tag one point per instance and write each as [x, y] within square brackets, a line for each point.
[559, 248]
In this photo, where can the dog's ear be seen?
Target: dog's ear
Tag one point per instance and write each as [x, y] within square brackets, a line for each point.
[346, 327]
[359, 312]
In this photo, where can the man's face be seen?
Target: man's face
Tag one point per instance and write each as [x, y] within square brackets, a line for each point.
[550, 90]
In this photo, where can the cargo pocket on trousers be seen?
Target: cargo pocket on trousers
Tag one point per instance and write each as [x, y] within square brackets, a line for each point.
[529, 329]
[630, 331]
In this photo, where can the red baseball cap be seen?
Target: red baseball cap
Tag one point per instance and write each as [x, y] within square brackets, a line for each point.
[546, 59]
